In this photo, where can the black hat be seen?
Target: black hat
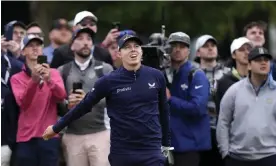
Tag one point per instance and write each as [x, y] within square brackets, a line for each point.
[258, 52]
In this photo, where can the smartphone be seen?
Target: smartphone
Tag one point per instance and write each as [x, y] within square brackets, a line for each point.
[42, 59]
[76, 85]
[116, 25]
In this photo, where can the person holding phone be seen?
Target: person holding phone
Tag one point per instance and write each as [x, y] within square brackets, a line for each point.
[11, 40]
[37, 90]
[86, 141]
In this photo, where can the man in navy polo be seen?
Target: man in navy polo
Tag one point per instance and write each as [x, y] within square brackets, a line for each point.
[137, 107]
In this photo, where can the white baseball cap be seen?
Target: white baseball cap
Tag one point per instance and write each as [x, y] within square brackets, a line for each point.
[237, 43]
[81, 15]
[202, 40]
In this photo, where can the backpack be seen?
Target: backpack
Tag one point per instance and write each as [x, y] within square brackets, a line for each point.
[191, 75]
[98, 67]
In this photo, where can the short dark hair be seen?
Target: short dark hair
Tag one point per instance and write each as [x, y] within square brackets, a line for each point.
[260, 24]
[33, 24]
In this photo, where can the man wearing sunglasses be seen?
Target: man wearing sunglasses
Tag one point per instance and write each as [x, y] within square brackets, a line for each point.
[64, 54]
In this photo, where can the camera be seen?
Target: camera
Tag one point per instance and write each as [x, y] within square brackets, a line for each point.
[155, 53]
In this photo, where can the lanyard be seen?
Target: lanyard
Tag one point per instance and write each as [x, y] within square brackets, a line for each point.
[7, 75]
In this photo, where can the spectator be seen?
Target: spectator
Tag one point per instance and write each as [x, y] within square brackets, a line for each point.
[113, 48]
[188, 98]
[86, 140]
[37, 89]
[59, 35]
[113, 51]
[207, 53]
[246, 128]
[14, 33]
[240, 49]
[9, 109]
[35, 29]
[255, 32]
[64, 54]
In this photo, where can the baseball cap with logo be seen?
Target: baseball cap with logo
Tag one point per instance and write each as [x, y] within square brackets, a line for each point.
[84, 30]
[179, 37]
[237, 43]
[258, 52]
[81, 15]
[28, 38]
[122, 41]
[203, 39]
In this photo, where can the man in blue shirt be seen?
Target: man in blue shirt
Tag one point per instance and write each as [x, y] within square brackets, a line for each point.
[137, 107]
[188, 98]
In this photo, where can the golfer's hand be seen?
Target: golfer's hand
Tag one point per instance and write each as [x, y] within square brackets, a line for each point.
[49, 133]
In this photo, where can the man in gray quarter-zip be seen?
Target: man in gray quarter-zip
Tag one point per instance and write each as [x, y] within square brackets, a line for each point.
[246, 130]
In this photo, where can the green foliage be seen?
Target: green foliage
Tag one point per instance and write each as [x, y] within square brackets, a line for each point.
[145, 17]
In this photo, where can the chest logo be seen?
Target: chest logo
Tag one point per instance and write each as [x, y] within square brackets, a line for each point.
[183, 86]
[151, 86]
[124, 89]
[269, 101]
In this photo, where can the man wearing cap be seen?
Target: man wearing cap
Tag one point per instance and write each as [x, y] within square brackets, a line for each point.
[188, 97]
[246, 128]
[255, 32]
[86, 141]
[64, 54]
[207, 54]
[59, 35]
[37, 89]
[240, 49]
[113, 48]
[136, 104]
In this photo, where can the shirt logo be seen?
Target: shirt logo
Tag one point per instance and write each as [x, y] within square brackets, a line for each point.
[183, 86]
[151, 85]
[197, 87]
[269, 101]
[261, 50]
[123, 89]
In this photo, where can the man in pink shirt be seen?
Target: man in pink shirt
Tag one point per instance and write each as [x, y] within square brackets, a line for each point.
[37, 90]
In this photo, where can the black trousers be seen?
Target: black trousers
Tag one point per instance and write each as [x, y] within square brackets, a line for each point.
[268, 161]
[211, 157]
[186, 159]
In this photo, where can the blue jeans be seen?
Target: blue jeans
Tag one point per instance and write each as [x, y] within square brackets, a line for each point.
[38, 152]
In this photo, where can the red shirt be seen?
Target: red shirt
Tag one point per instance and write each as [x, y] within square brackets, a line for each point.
[38, 103]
